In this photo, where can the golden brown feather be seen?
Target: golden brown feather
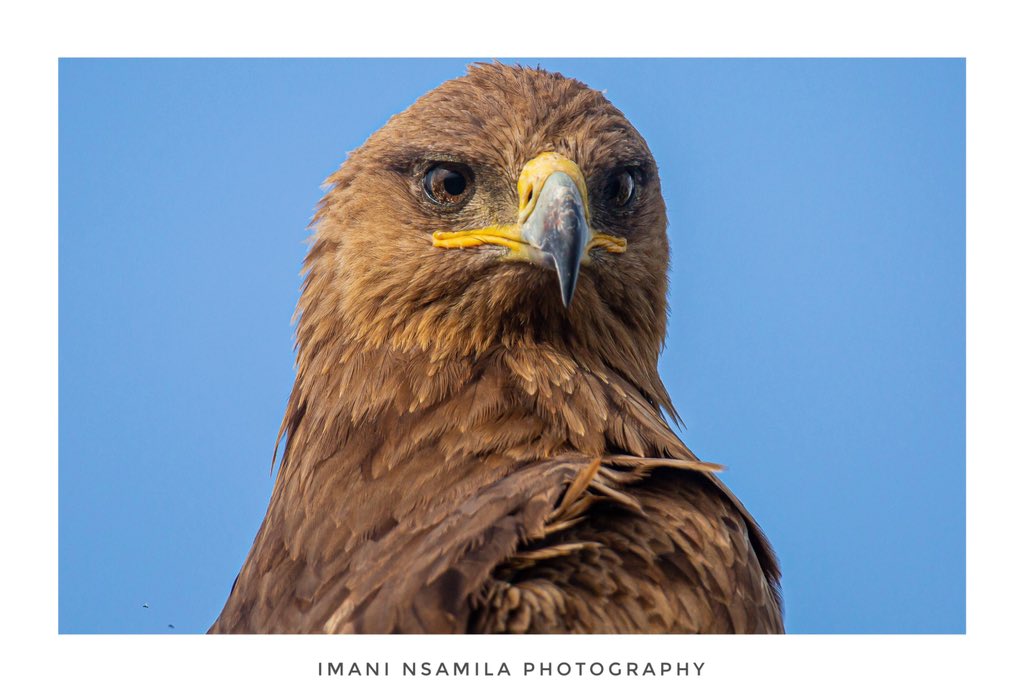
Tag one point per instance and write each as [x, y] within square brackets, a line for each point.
[461, 451]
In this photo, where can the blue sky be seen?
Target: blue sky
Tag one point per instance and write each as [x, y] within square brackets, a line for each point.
[816, 340]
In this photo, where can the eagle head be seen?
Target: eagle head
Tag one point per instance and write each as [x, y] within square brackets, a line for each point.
[509, 206]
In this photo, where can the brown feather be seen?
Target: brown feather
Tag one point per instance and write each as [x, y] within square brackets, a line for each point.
[463, 453]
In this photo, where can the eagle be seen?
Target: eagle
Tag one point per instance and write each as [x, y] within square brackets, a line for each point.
[478, 439]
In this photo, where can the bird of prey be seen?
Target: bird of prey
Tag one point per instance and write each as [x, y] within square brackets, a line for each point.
[477, 437]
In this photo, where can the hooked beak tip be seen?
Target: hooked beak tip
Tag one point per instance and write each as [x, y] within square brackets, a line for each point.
[567, 285]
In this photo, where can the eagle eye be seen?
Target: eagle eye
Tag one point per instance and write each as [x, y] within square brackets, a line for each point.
[448, 184]
[621, 190]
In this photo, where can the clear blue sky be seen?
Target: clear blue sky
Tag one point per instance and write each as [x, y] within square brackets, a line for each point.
[816, 339]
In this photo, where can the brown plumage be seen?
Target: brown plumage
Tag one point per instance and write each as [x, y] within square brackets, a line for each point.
[463, 452]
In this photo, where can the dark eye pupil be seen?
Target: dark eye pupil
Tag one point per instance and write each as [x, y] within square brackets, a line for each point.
[454, 183]
[445, 184]
[622, 189]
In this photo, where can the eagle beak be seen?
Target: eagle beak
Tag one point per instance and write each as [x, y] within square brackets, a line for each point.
[557, 228]
[553, 228]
